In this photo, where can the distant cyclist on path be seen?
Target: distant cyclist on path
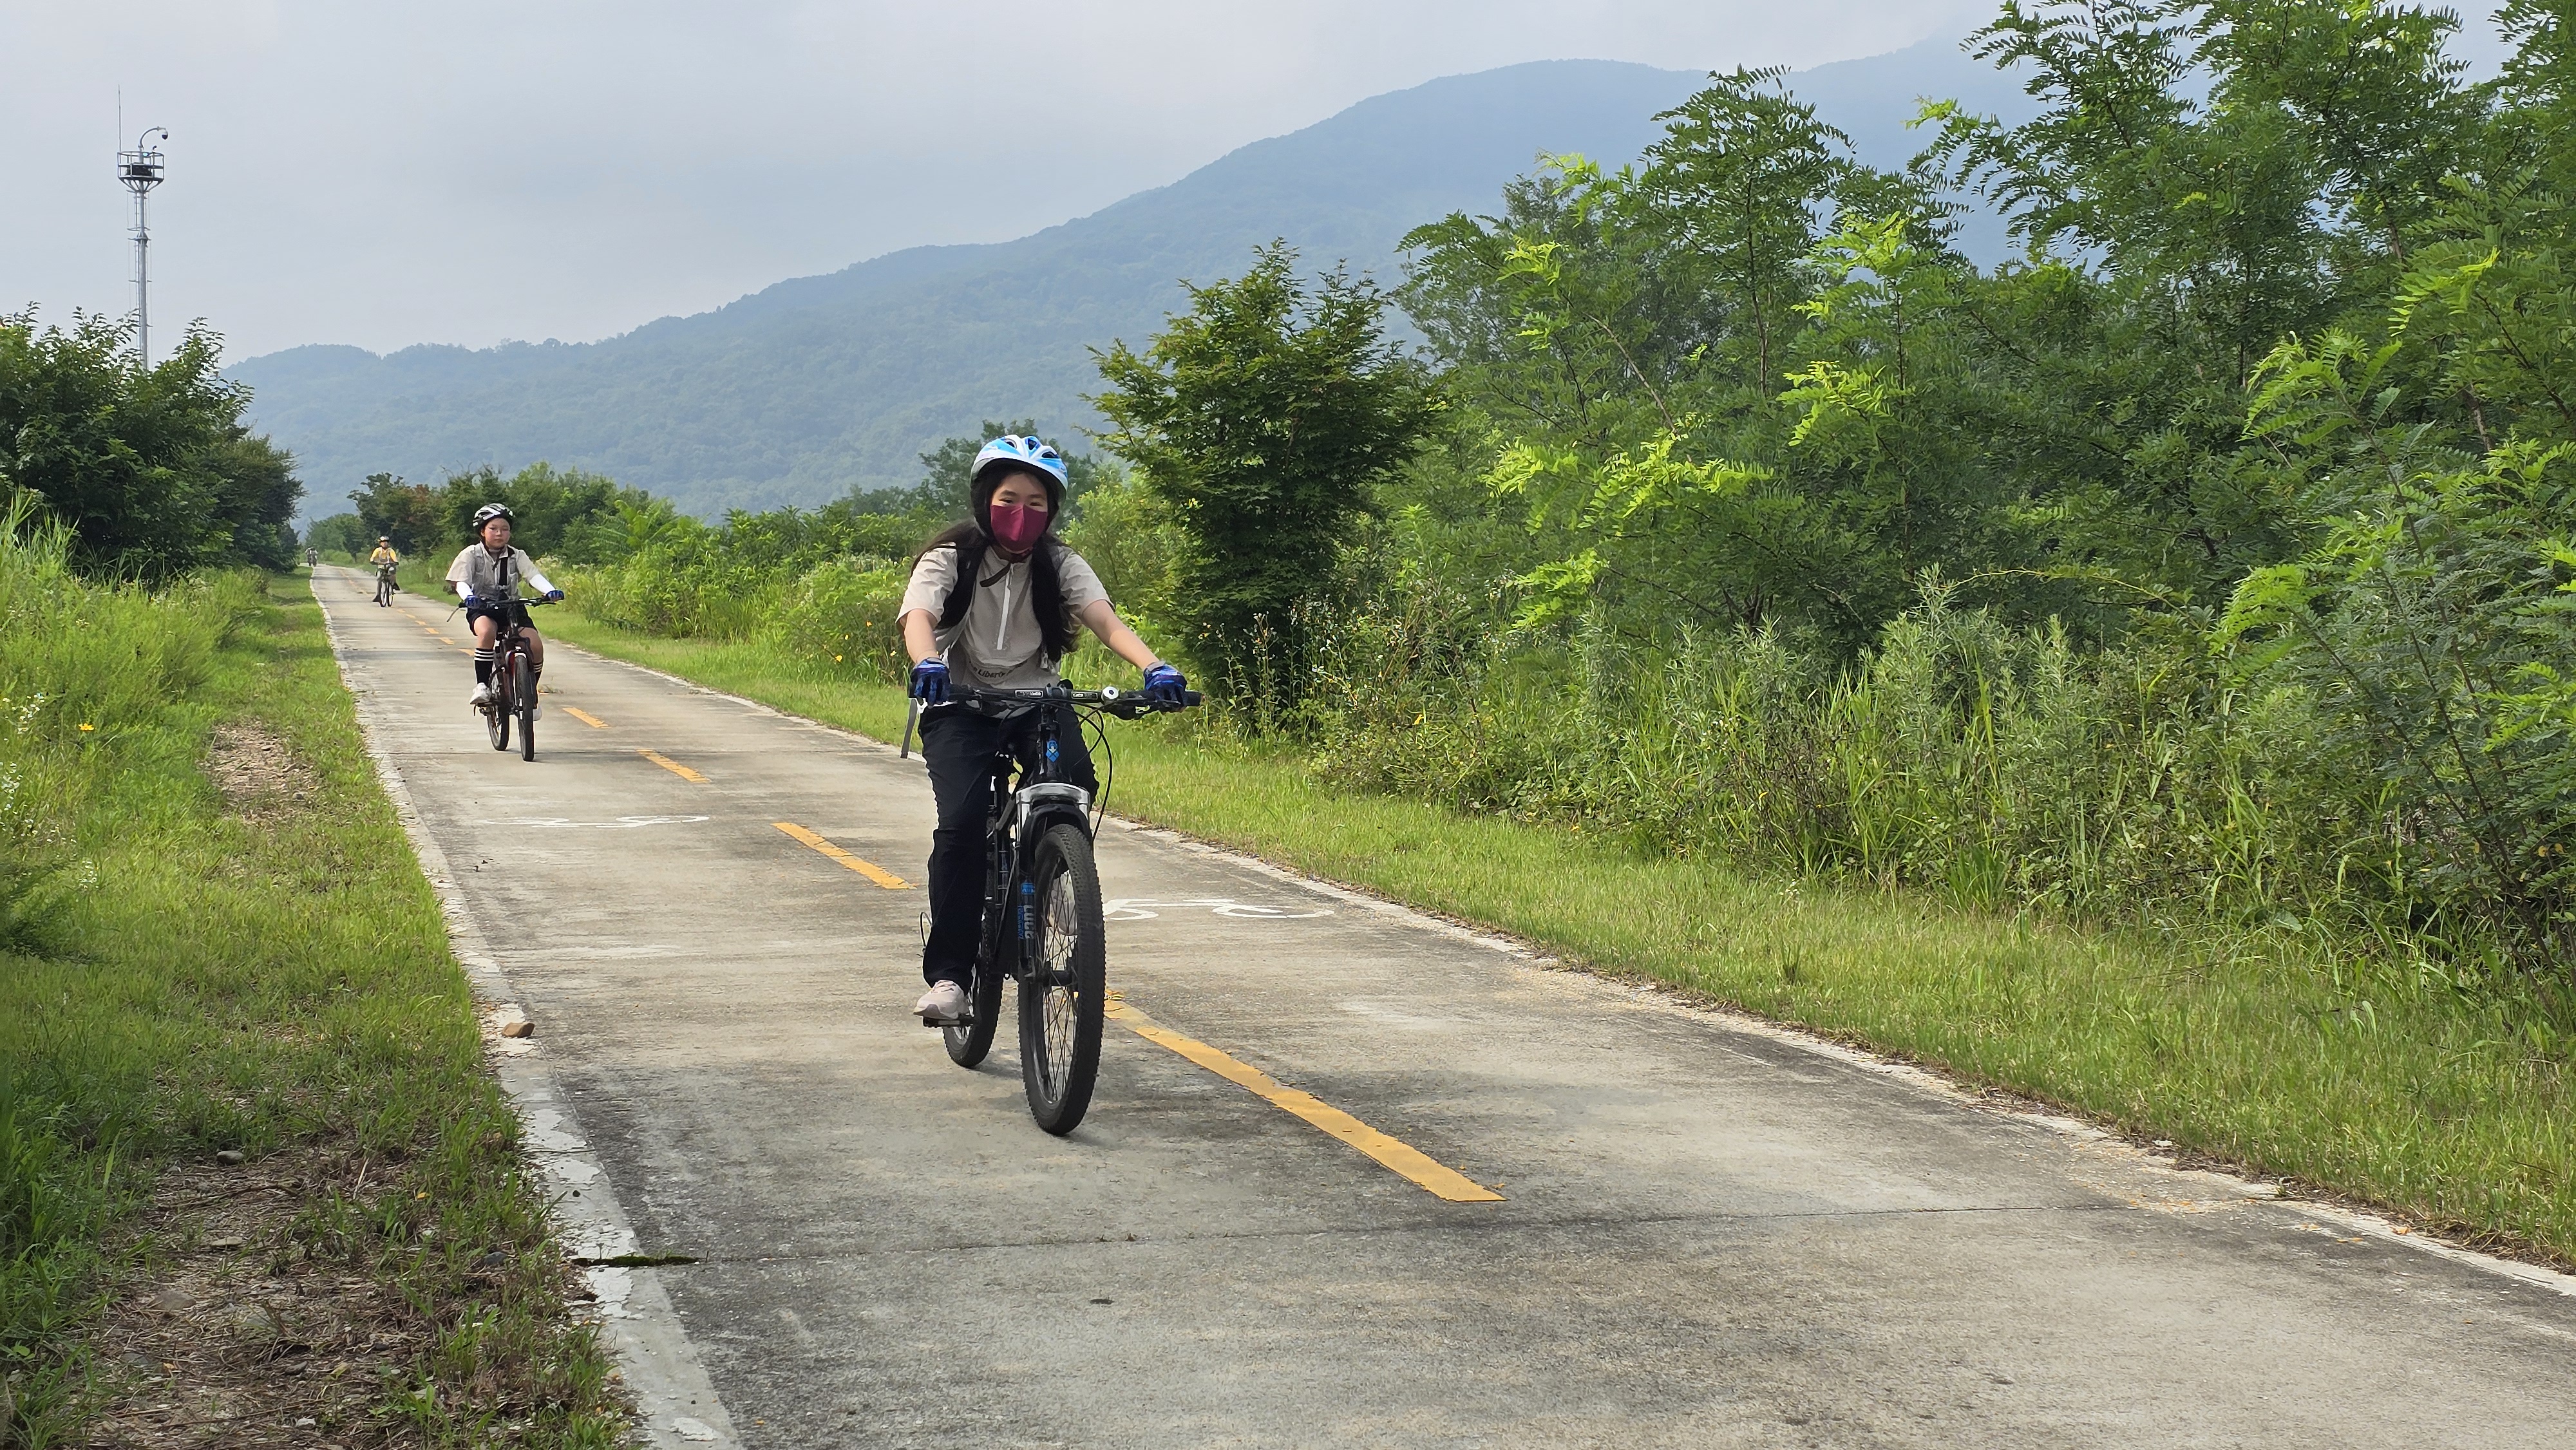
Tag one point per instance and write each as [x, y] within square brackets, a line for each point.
[386, 562]
[487, 577]
[996, 599]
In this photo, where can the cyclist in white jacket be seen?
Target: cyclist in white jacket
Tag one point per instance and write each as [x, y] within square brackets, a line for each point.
[488, 576]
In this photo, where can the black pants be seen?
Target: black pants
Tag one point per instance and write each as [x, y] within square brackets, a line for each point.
[959, 747]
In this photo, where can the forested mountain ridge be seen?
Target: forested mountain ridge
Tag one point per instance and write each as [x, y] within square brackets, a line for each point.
[798, 392]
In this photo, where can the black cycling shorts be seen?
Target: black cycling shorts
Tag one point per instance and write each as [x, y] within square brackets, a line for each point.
[498, 613]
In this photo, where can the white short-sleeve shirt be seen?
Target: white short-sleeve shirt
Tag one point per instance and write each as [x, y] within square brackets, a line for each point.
[998, 645]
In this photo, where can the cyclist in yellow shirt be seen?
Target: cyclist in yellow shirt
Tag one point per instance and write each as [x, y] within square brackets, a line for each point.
[386, 561]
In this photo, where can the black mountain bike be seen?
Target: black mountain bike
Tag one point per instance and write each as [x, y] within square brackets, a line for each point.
[514, 682]
[385, 585]
[1042, 924]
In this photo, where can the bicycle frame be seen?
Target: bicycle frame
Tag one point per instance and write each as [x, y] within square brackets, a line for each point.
[1041, 922]
[1017, 818]
[503, 699]
[506, 637]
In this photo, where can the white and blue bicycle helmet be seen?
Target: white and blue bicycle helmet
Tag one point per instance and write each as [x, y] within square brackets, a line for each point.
[1032, 453]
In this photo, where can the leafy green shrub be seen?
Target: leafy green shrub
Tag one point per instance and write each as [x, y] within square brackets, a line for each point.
[843, 612]
[152, 470]
[1262, 418]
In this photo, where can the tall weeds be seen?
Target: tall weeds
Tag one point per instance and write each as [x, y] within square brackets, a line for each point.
[82, 665]
[2002, 767]
[837, 615]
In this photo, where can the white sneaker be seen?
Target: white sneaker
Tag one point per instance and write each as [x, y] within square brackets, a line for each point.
[944, 1005]
[481, 697]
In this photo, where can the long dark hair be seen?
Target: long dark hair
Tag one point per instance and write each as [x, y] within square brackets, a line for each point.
[1046, 586]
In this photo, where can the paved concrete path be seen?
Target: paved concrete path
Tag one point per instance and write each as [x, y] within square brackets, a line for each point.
[1710, 1234]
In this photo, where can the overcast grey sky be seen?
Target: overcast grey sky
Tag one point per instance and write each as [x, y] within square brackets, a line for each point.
[473, 170]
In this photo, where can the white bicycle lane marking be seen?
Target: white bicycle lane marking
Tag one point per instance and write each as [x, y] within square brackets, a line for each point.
[1147, 908]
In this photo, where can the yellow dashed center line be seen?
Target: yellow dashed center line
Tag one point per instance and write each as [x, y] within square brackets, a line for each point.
[869, 869]
[673, 766]
[585, 717]
[1407, 1161]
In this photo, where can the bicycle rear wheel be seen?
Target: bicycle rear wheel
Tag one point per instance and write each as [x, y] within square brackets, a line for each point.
[523, 697]
[496, 711]
[1062, 998]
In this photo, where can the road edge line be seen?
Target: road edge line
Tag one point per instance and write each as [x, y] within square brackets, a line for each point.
[642, 1326]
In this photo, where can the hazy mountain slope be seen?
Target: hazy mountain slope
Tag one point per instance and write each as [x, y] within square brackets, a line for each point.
[799, 391]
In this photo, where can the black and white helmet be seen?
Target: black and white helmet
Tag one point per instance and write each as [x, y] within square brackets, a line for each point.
[488, 512]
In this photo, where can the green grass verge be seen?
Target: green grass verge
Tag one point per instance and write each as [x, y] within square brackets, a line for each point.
[2439, 1100]
[274, 980]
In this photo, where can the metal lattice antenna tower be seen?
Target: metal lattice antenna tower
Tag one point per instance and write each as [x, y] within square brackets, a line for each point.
[140, 169]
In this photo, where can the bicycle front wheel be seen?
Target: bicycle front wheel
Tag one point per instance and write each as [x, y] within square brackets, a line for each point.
[523, 697]
[1062, 997]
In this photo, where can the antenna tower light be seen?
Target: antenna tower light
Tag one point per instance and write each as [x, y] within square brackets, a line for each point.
[140, 170]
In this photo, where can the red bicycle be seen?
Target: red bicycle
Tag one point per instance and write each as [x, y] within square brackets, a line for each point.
[514, 682]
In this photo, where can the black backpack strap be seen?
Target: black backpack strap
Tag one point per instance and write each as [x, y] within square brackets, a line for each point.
[961, 595]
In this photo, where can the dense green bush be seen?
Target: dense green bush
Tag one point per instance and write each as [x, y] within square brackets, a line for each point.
[844, 610]
[823, 582]
[151, 469]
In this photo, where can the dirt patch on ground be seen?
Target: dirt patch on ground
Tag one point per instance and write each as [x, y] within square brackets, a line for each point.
[258, 772]
[237, 1335]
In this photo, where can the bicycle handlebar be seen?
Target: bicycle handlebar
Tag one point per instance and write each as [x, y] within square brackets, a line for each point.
[1126, 705]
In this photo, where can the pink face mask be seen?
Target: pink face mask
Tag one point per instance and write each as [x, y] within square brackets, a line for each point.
[1017, 527]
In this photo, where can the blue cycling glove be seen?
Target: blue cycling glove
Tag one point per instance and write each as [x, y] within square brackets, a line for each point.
[471, 602]
[1164, 685]
[554, 596]
[930, 682]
